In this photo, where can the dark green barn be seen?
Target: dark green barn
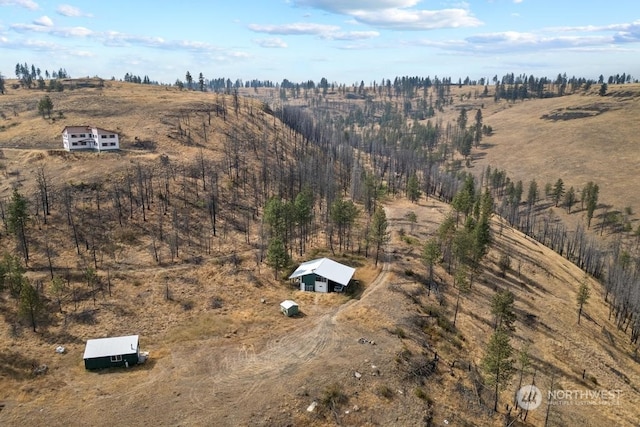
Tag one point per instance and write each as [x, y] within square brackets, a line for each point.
[112, 352]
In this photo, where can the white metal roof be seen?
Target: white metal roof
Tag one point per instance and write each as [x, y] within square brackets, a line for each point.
[102, 347]
[326, 267]
[287, 304]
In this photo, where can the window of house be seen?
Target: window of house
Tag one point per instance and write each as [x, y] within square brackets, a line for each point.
[74, 136]
[74, 144]
[113, 144]
[321, 279]
[103, 136]
[82, 135]
[112, 136]
[104, 144]
[117, 358]
[83, 143]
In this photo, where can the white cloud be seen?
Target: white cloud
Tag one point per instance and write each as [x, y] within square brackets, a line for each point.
[55, 31]
[300, 28]
[272, 42]
[397, 14]
[347, 7]
[401, 19]
[351, 35]
[45, 21]
[68, 10]
[29, 4]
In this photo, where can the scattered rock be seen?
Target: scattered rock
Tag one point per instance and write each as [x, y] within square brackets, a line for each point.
[312, 407]
[263, 301]
[356, 408]
[357, 374]
[60, 349]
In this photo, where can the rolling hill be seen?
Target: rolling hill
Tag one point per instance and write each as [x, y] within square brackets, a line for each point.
[221, 352]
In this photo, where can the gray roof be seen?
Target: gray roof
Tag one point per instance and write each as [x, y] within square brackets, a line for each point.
[103, 347]
[326, 267]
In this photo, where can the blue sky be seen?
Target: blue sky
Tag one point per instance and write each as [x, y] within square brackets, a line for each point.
[345, 41]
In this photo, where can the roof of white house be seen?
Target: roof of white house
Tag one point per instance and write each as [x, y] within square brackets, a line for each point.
[103, 347]
[326, 267]
[287, 304]
[87, 128]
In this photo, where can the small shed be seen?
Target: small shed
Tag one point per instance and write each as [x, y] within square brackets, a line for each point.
[111, 352]
[323, 275]
[289, 308]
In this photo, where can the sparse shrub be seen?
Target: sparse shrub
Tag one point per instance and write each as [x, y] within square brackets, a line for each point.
[333, 396]
[400, 332]
[187, 305]
[445, 324]
[593, 379]
[409, 272]
[504, 263]
[384, 391]
[215, 303]
[420, 393]
[403, 355]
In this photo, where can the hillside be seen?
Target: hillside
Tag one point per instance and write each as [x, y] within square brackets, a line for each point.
[221, 351]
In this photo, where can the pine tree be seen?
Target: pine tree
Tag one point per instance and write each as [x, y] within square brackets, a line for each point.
[30, 304]
[45, 106]
[17, 220]
[502, 310]
[430, 256]
[558, 191]
[584, 292]
[413, 188]
[590, 197]
[497, 362]
[277, 256]
[378, 233]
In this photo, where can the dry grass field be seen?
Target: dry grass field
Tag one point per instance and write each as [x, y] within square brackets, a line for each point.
[223, 354]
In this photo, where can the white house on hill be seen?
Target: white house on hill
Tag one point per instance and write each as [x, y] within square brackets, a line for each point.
[323, 275]
[89, 138]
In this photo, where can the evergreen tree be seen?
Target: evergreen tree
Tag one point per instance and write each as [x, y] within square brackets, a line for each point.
[30, 304]
[502, 310]
[497, 362]
[11, 275]
[430, 256]
[590, 198]
[570, 199]
[189, 79]
[201, 82]
[558, 191]
[413, 188]
[584, 292]
[2, 89]
[378, 233]
[17, 220]
[277, 256]
[603, 89]
[45, 106]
